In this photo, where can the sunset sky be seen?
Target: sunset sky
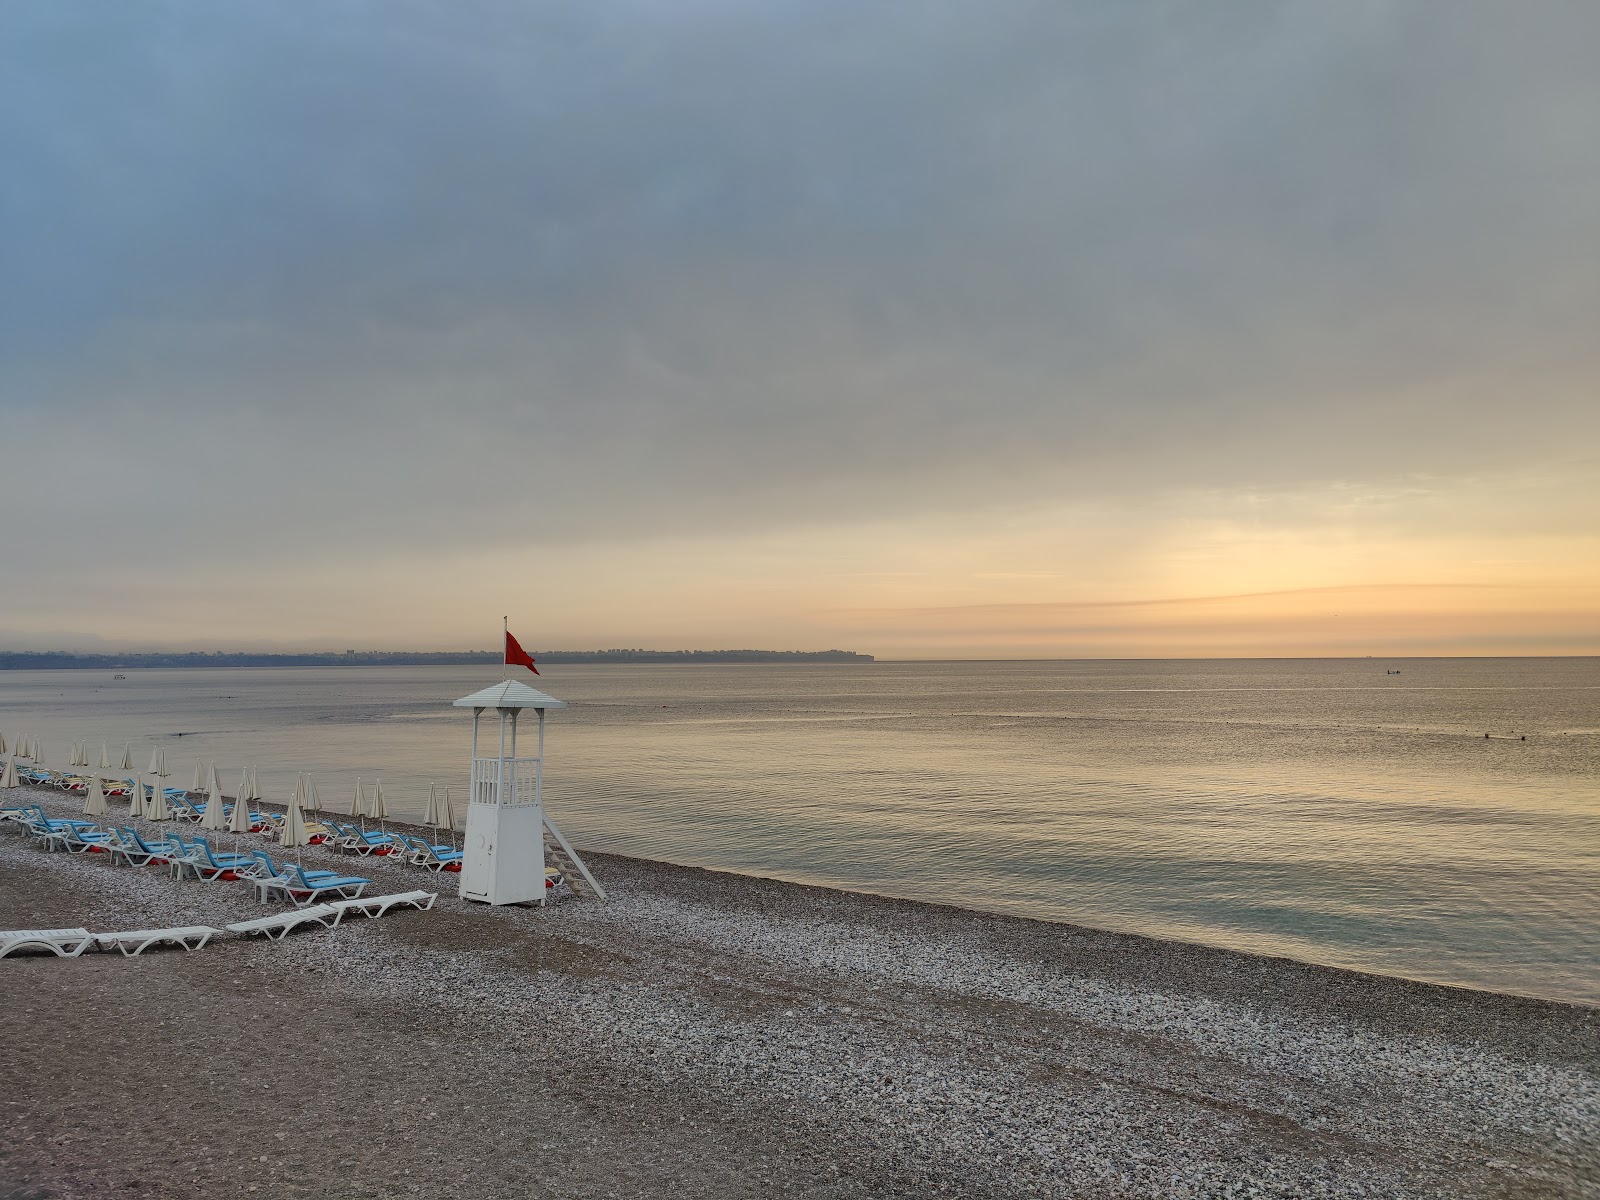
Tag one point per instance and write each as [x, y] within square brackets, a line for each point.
[1013, 329]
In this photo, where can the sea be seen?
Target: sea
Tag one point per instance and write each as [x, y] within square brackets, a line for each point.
[1437, 819]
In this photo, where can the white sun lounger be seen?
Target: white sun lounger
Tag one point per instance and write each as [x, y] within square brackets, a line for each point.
[134, 942]
[277, 926]
[64, 943]
[376, 906]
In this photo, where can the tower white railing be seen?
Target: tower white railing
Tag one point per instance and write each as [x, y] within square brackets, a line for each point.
[508, 781]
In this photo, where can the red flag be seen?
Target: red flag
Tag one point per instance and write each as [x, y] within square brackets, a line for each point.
[516, 656]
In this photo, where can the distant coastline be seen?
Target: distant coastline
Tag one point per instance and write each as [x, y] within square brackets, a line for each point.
[48, 660]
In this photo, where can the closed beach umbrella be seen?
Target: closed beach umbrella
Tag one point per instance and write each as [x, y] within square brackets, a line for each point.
[156, 809]
[94, 804]
[9, 779]
[155, 759]
[136, 798]
[25, 748]
[240, 821]
[36, 748]
[215, 817]
[255, 786]
[450, 816]
[213, 780]
[432, 817]
[293, 832]
[2, 743]
[127, 756]
[244, 788]
[312, 803]
[161, 762]
[357, 802]
[199, 777]
[78, 754]
[380, 807]
[105, 757]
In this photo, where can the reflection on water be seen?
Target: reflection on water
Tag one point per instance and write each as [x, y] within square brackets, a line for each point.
[1317, 809]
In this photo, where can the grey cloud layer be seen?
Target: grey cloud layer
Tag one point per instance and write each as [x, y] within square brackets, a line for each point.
[345, 269]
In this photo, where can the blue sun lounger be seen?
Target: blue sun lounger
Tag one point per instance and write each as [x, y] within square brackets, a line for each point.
[206, 863]
[265, 868]
[300, 889]
[359, 841]
[79, 841]
[425, 854]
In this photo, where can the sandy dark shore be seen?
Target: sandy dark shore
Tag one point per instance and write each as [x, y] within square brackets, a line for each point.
[711, 1035]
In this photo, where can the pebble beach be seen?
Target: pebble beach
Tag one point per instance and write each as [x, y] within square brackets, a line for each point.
[706, 1034]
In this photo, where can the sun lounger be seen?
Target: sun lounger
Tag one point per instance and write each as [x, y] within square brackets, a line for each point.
[435, 858]
[63, 943]
[182, 807]
[359, 841]
[300, 889]
[134, 942]
[265, 868]
[79, 841]
[376, 906]
[277, 926]
[35, 816]
[208, 865]
[136, 850]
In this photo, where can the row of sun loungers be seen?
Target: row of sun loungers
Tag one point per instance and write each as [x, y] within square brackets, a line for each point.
[197, 857]
[70, 943]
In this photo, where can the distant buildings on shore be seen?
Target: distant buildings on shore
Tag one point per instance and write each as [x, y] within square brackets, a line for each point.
[24, 660]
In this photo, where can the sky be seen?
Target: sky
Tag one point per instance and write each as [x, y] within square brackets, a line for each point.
[919, 328]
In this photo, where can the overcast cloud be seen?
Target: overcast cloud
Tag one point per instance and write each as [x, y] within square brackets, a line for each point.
[338, 286]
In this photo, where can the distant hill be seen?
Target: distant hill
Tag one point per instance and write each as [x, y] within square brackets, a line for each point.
[43, 660]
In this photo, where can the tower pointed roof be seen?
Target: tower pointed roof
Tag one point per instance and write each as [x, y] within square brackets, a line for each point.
[509, 694]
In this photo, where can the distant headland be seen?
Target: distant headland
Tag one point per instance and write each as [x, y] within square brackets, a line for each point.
[44, 660]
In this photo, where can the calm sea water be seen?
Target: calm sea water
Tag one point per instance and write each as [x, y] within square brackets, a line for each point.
[1319, 809]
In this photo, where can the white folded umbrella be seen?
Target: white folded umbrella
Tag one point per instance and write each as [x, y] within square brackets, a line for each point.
[155, 759]
[313, 804]
[127, 756]
[105, 757]
[380, 809]
[94, 804]
[2, 743]
[255, 785]
[432, 815]
[9, 779]
[136, 798]
[36, 749]
[358, 801]
[294, 831]
[199, 777]
[214, 817]
[213, 780]
[156, 809]
[449, 812]
[240, 821]
[161, 762]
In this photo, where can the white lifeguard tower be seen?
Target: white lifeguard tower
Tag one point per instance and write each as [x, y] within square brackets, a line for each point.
[508, 833]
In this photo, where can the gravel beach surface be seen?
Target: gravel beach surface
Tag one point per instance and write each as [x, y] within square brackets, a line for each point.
[714, 1035]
